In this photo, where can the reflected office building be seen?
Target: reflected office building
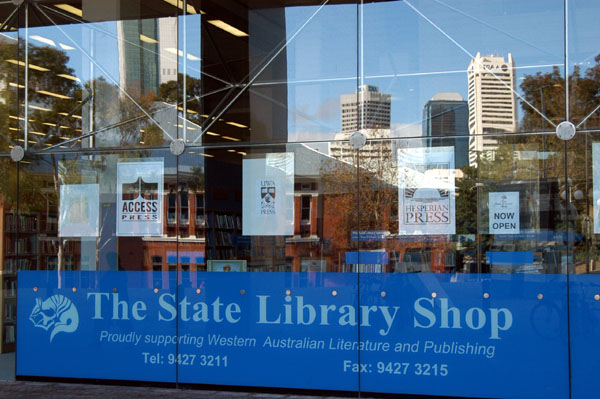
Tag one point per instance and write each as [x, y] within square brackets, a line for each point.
[492, 103]
[180, 203]
[446, 116]
[369, 111]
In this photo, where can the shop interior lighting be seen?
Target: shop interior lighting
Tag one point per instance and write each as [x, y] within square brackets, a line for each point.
[13, 128]
[237, 125]
[70, 77]
[16, 85]
[74, 116]
[189, 111]
[227, 28]
[21, 63]
[66, 47]
[141, 142]
[179, 4]
[147, 39]
[70, 8]
[230, 150]
[43, 39]
[242, 153]
[212, 134]
[174, 51]
[39, 108]
[16, 117]
[49, 124]
[231, 138]
[37, 133]
[49, 93]
[206, 155]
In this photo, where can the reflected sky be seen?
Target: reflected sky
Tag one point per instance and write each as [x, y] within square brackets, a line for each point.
[410, 49]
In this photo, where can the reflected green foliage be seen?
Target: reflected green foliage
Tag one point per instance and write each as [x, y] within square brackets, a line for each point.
[52, 97]
[466, 201]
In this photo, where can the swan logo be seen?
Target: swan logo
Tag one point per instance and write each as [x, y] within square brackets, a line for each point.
[56, 314]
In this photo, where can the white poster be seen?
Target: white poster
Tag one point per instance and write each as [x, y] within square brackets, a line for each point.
[426, 191]
[140, 198]
[268, 195]
[504, 212]
[596, 182]
[79, 210]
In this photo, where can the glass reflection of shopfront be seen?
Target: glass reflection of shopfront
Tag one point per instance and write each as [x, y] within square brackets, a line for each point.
[191, 187]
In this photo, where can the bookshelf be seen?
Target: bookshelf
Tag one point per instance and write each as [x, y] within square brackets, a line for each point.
[224, 236]
[28, 241]
[20, 251]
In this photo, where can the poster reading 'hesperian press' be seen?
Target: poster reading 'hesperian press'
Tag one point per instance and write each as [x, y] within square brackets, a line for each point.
[140, 198]
[426, 191]
[268, 206]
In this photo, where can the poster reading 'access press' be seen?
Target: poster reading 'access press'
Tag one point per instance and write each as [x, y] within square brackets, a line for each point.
[427, 334]
[140, 198]
[426, 191]
[268, 191]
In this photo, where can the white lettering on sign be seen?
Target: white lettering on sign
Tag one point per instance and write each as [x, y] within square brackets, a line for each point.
[504, 212]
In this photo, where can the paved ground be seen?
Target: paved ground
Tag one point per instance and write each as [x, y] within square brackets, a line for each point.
[52, 390]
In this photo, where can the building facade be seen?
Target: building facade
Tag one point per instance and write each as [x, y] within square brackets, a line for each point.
[180, 203]
[446, 115]
[492, 101]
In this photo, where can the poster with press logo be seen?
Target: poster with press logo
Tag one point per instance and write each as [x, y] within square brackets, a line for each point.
[140, 198]
[268, 192]
[596, 177]
[426, 191]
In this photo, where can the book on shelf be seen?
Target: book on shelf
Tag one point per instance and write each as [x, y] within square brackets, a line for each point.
[22, 223]
[10, 288]
[9, 311]
[9, 334]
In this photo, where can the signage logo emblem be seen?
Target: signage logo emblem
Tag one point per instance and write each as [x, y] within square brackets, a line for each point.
[56, 314]
[267, 197]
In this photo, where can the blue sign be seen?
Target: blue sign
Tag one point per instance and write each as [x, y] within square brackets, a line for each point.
[369, 235]
[509, 258]
[367, 258]
[585, 330]
[193, 257]
[433, 334]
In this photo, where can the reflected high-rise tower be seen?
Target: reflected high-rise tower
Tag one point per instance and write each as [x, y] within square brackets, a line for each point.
[367, 110]
[492, 103]
[445, 117]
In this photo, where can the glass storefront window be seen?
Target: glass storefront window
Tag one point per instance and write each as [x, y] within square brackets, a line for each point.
[371, 193]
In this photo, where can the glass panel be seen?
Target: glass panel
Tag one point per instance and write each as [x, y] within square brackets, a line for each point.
[461, 69]
[582, 195]
[9, 260]
[98, 84]
[272, 73]
[11, 134]
[87, 280]
[257, 275]
[489, 243]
